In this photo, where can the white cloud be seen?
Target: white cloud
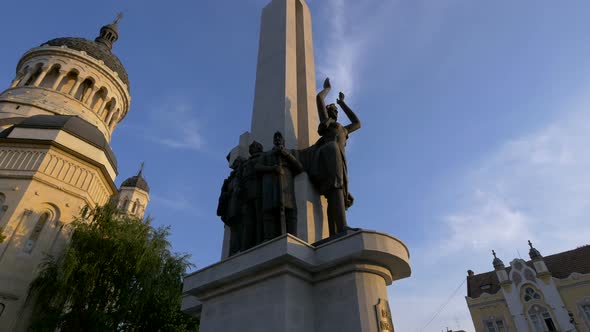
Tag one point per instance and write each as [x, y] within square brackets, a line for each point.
[349, 29]
[180, 128]
[490, 215]
[176, 202]
[172, 125]
[537, 186]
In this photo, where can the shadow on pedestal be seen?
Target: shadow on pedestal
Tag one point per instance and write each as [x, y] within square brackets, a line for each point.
[289, 285]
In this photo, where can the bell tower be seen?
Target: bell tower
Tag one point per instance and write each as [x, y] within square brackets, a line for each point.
[134, 195]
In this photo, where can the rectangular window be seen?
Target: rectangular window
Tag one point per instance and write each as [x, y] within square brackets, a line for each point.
[536, 322]
[490, 326]
[586, 309]
[494, 325]
[549, 322]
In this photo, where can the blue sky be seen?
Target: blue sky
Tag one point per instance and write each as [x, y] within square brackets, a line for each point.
[475, 114]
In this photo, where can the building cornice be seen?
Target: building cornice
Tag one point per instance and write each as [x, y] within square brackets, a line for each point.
[67, 150]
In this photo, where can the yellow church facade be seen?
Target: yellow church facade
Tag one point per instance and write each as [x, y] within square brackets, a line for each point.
[543, 294]
[56, 122]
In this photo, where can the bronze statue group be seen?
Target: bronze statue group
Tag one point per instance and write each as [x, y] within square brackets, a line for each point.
[257, 200]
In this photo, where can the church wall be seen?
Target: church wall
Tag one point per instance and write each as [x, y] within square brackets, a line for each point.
[48, 175]
[45, 189]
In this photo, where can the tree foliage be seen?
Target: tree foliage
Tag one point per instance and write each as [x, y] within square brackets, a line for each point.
[117, 274]
[2, 237]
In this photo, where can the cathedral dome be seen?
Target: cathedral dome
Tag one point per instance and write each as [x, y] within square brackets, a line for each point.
[137, 181]
[72, 76]
[95, 49]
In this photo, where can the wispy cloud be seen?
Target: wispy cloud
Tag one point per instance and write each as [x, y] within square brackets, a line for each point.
[177, 203]
[537, 186]
[489, 221]
[174, 125]
[344, 42]
[178, 127]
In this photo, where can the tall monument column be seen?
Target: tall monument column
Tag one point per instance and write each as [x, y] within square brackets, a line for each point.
[285, 282]
[284, 97]
[284, 100]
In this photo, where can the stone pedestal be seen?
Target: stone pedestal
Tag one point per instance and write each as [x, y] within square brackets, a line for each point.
[289, 285]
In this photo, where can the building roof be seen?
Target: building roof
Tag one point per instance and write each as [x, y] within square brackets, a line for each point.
[96, 50]
[560, 265]
[71, 124]
[137, 181]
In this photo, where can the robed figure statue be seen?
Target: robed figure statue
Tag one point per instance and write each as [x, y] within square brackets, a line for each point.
[325, 161]
[279, 207]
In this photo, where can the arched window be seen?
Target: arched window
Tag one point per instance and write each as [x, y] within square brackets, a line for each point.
[108, 110]
[20, 75]
[125, 204]
[84, 89]
[113, 119]
[2, 307]
[67, 83]
[30, 244]
[135, 205]
[531, 294]
[35, 75]
[541, 319]
[98, 100]
[51, 77]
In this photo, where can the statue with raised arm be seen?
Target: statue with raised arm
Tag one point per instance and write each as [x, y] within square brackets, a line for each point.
[326, 160]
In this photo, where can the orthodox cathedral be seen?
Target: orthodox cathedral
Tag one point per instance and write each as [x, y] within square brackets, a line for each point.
[56, 122]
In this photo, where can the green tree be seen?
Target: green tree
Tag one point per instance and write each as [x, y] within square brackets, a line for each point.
[2, 237]
[117, 274]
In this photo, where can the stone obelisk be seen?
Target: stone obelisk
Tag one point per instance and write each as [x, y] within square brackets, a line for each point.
[284, 100]
[284, 97]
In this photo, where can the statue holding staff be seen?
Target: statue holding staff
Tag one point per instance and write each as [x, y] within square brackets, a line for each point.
[278, 167]
[251, 198]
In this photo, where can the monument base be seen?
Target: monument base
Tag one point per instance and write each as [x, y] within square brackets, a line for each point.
[289, 285]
